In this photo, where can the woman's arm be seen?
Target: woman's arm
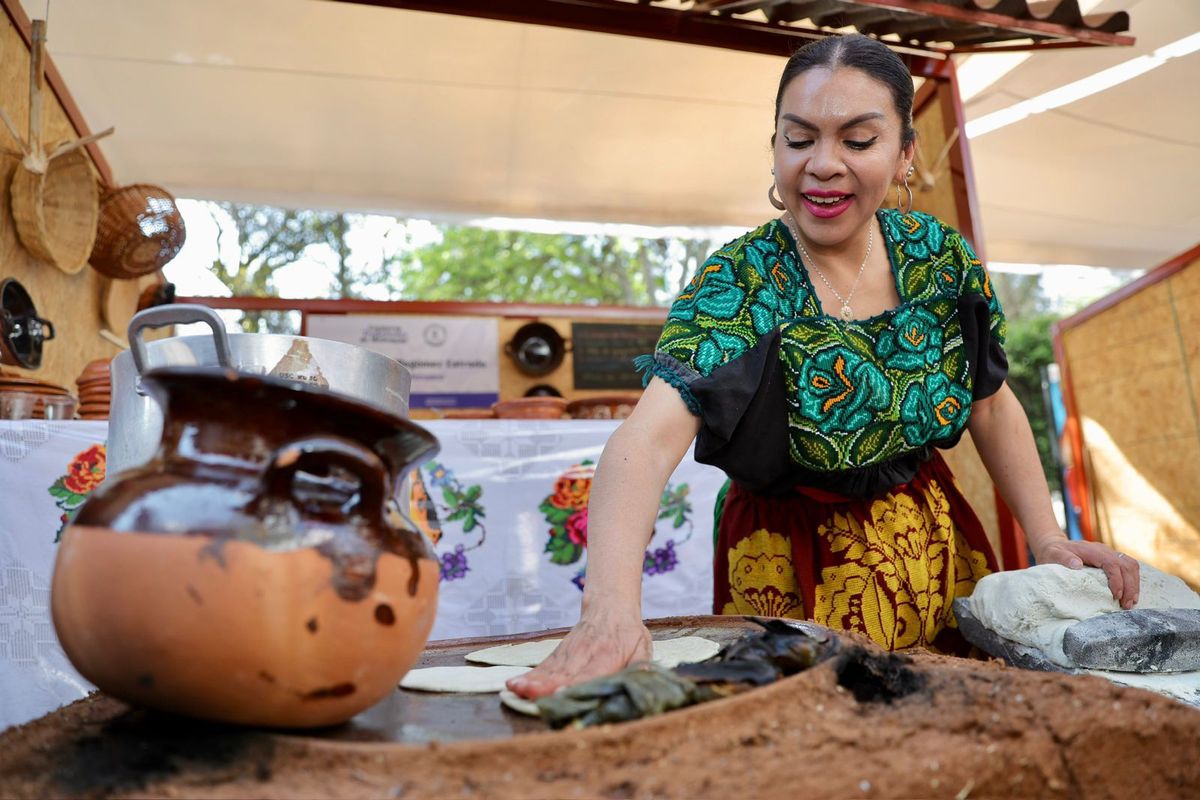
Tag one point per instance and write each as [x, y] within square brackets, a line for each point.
[1001, 433]
[622, 508]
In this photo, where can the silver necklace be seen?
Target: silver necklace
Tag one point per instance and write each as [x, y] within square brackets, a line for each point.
[846, 313]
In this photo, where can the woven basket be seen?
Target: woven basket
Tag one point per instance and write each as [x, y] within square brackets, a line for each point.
[140, 230]
[55, 212]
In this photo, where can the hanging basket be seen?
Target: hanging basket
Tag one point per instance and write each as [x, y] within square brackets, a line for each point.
[139, 231]
[55, 201]
[55, 211]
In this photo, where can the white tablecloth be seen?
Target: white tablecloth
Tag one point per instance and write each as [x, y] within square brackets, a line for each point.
[508, 497]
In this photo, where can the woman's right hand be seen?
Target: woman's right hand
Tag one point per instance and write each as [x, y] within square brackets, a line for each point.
[599, 644]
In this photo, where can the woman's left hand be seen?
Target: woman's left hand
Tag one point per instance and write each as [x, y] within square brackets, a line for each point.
[1124, 575]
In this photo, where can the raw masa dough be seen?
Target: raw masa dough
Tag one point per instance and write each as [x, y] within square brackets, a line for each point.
[667, 652]
[1035, 606]
[466, 680]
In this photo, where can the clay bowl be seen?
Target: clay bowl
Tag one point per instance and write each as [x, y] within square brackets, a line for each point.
[470, 413]
[617, 406]
[96, 369]
[531, 408]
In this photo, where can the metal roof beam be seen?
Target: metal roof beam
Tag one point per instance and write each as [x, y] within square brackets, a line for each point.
[943, 21]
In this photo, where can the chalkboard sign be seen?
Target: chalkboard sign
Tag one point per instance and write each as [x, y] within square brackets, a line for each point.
[604, 353]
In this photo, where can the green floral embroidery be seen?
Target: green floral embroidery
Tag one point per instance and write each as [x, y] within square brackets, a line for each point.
[934, 410]
[714, 292]
[916, 412]
[740, 294]
[861, 392]
[842, 390]
[947, 276]
[913, 342]
[977, 282]
[719, 347]
[768, 308]
[919, 239]
[951, 404]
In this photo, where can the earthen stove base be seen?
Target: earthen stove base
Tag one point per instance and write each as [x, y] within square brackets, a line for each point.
[957, 729]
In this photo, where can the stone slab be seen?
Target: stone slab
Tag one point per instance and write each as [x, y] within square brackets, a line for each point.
[1138, 640]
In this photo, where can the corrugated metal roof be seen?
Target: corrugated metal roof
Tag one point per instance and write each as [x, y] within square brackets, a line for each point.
[945, 24]
[773, 26]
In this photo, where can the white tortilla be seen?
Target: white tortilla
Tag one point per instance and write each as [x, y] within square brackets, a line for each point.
[522, 654]
[667, 653]
[519, 704]
[465, 680]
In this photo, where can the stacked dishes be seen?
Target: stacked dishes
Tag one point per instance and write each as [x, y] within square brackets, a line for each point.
[617, 406]
[531, 408]
[24, 397]
[95, 389]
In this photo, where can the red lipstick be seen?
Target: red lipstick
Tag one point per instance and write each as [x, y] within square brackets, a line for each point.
[826, 210]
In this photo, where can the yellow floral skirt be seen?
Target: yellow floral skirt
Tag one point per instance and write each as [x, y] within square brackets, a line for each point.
[889, 567]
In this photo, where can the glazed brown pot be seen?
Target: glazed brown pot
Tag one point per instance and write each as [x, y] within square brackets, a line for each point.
[251, 572]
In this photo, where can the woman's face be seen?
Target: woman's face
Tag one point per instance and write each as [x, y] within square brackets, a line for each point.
[837, 151]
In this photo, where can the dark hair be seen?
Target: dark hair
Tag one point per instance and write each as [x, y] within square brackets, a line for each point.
[861, 52]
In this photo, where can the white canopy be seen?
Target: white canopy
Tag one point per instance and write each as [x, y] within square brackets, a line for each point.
[335, 105]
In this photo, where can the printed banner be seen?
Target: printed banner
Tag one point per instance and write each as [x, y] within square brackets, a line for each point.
[454, 360]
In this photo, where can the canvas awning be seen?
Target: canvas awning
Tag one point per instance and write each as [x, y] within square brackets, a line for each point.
[345, 105]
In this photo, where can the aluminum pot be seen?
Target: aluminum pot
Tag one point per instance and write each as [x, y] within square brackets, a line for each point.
[135, 420]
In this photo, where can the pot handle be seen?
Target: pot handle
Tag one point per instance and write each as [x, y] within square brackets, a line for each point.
[47, 328]
[177, 314]
[312, 451]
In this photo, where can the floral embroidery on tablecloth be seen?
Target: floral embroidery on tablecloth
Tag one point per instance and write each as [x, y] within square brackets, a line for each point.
[460, 504]
[84, 474]
[566, 511]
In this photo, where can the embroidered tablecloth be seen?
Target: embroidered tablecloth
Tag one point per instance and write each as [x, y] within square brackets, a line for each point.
[505, 502]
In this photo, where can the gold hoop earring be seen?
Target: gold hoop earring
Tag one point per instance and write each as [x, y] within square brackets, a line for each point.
[908, 190]
[775, 201]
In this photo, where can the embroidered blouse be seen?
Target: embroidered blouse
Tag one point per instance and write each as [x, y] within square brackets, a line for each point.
[789, 396]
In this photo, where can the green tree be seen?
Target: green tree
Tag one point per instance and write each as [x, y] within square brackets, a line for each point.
[518, 266]
[270, 238]
[463, 263]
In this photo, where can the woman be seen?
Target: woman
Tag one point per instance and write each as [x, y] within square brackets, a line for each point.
[820, 360]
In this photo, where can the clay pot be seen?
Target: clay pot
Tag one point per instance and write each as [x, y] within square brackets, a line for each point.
[469, 413]
[22, 331]
[250, 572]
[531, 408]
[536, 348]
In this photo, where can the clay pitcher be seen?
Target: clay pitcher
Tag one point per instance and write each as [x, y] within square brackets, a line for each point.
[250, 572]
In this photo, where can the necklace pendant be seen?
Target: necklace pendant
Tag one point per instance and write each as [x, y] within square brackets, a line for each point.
[847, 314]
